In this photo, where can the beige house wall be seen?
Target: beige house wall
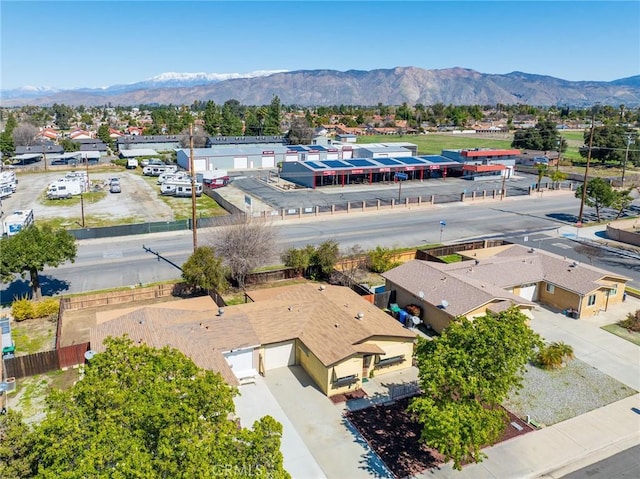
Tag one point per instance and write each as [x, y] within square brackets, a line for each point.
[344, 368]
[560, 298]
[313, 366]
[392, 348]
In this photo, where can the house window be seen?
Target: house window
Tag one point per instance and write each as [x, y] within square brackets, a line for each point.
[592, 300]
[345, 381]
[550, 288]
[613, 291]
[390, 361]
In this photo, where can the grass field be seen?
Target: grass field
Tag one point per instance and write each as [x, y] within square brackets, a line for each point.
[434, 143]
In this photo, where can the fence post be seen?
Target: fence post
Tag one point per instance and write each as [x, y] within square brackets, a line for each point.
[433, 199]
[333, 209]
[348, 206]
[377, 204]
[364, 205]
[300, 212]
[393, 202]
[317, 210]
[406, 201]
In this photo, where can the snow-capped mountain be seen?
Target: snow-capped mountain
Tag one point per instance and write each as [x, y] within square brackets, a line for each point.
[163, 80]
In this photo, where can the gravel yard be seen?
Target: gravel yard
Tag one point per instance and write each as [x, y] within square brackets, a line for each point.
[552, 396]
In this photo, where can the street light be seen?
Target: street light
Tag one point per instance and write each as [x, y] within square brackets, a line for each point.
[586, 170]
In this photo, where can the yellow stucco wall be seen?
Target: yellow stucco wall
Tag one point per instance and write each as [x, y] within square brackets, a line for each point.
[392, 348]
[345, 368]
[602, 301]
[560, 298]
[313, 366]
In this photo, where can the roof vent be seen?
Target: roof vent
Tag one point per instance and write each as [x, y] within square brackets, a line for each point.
[444, 304]
[360, 315]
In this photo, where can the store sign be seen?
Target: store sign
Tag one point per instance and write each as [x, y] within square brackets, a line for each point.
[267, 153]
[384, 170]
[410, 168]
[434, 167]
[357, 172]
[329, 172]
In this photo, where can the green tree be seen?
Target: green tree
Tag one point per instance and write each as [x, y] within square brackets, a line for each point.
[542, 171]
[609, 145]
[205, 270]
[465, 375]
[557, 177]
[299, 258]
[7, 145]
[544, 137]
[141, 412]
[69, 145]
[599, 194]
[16, 459]
[231, 121]
[622, 200]
[212, 118]
[273, 118]
[31, 250]
[103, 134]
[325, 257]
[381, 260]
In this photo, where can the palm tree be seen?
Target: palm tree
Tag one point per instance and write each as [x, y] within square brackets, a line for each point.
[542, 170]
[555, 355]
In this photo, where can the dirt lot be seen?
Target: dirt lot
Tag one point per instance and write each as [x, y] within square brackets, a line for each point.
[139, 201]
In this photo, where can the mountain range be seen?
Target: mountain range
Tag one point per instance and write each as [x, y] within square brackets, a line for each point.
[411, 85]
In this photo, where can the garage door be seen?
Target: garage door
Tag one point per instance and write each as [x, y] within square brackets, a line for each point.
[240, 162]
[241, 362]
[528, 291]
[279, 355]
[268, 161]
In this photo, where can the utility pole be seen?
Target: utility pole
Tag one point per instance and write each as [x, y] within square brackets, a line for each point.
[193, 189]
[626, 157]
[586, 170]
[504, 180]
[559, 152]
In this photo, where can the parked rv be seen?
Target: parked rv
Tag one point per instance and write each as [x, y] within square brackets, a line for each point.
[179, 175]
[8, 183]
[16, 222]
[157, 170]
[171, 188]
[132, 164]
[151, 161]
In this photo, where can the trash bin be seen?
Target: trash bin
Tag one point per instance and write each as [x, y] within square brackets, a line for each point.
[402, 316]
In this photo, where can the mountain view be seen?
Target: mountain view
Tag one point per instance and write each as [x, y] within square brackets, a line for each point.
[457, 86]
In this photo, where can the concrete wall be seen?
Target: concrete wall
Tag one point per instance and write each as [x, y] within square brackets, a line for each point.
[627, 231]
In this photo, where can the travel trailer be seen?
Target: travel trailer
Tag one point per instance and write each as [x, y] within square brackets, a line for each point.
[157, 170]
[72, 184]
[8, 183]
[180, 175]
[16, 221]
[132, 164]
[178, 188]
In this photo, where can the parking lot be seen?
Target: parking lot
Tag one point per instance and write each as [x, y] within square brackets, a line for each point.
[138, 201]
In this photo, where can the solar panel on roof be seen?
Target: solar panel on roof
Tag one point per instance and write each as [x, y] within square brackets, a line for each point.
[317, 148]
[296, 148]
[315, 166]
[438, 159]
[411, 161]
[388, 161]
[335, 164]
[359, 163]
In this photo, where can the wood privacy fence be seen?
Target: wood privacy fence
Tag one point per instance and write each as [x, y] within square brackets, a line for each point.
[43, 362]
[121, 297]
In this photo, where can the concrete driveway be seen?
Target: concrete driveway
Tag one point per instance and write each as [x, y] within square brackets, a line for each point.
[612, 355]
[336, 447]
[256, 401]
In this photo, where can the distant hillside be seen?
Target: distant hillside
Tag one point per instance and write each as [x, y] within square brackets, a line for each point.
[412, 85]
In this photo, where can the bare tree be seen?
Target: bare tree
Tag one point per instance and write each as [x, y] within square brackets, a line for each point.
[199, 138]
[246, 246]
[590, 251]
[25, 134]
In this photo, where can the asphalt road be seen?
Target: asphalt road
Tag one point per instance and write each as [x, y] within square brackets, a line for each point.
[624, 465]
[121, 261]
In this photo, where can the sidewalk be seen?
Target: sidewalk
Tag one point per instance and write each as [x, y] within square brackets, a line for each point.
[570, 445]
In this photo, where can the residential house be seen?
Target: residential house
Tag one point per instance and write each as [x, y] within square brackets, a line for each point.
[493, 279]
[49, 134]
[334, 334]
[80, 135]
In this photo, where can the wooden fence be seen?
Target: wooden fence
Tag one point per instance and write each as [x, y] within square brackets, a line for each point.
[43, 362]
[121, 297]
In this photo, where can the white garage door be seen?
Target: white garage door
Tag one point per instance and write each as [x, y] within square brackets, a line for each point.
[240, 162]
[528, 291]
[279, 355]
[241, 362]
[200, 165]
[268, 161]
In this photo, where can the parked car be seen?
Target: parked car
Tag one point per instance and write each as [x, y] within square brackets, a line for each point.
[115, 188]
[114, 181]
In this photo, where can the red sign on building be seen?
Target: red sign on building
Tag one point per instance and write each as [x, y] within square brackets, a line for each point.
[329, 172]
[384, 170]
[357, 172]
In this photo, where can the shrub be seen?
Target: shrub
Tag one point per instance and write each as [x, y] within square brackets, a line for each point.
[381, 260]
[47, 307]
[22, 309]
[120, 162]
[631, 322]
[554, 355]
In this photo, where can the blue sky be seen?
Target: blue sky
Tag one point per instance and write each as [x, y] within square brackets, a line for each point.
[92, 44]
